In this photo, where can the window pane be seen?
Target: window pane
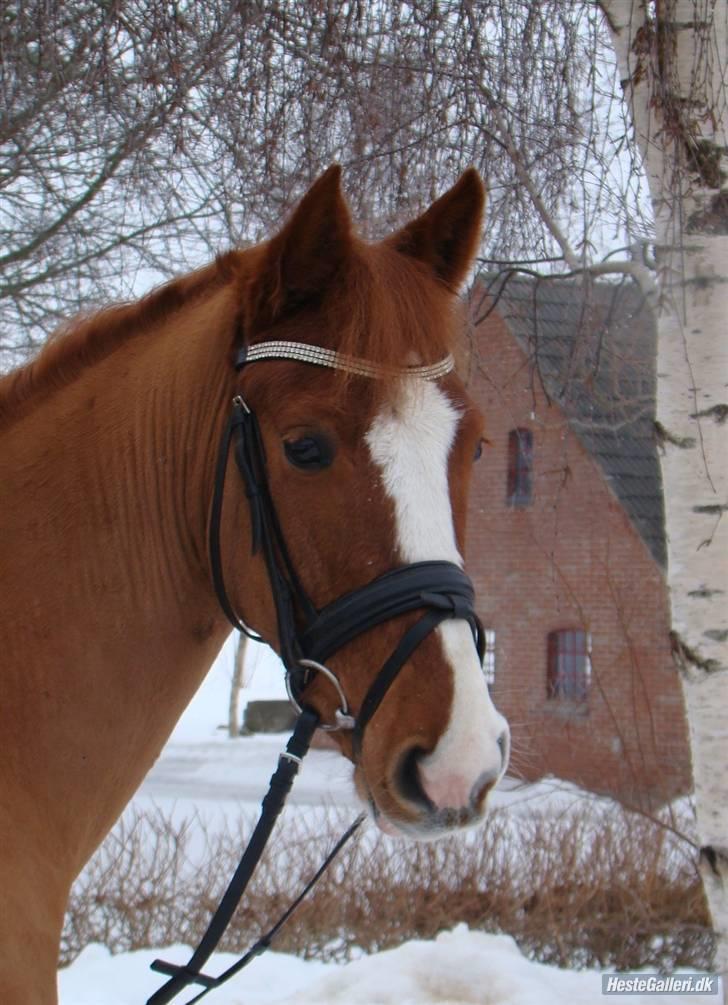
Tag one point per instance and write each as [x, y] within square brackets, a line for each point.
[569, 665]
[520, 467]
[489, 656]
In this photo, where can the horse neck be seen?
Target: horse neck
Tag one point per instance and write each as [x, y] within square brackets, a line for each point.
[113, 617]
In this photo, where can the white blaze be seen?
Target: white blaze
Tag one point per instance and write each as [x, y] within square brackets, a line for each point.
[411, 445]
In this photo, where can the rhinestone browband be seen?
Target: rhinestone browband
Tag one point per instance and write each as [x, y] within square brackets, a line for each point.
[338, 361]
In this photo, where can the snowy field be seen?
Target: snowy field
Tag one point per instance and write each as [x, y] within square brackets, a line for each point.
[201, 771]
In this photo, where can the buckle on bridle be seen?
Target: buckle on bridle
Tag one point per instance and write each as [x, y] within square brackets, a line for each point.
[342, 718]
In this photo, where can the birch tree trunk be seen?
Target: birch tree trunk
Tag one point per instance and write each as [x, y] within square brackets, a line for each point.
[236, 686]
[672, 58]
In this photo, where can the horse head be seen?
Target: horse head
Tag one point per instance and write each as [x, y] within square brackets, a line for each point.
[367, 461]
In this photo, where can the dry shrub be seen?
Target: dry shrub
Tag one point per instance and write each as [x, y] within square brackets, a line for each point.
[607, 889]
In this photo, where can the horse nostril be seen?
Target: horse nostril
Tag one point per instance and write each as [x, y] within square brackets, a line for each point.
[408, 778]
[479, 792]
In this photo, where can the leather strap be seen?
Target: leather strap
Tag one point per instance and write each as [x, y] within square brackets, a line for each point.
[303, 632]
[280, 785]
[218, 494]
[386, 676]
[421, 585]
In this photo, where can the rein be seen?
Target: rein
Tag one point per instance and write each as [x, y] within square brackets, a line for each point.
[309, 637]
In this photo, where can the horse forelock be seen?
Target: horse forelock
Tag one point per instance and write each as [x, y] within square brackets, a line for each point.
[383, 307]
[397, 311]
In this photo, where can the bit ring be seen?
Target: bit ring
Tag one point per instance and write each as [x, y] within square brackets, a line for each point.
[342, 717]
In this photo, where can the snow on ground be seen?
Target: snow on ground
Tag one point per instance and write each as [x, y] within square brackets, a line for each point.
[459, 968]
[202, 771]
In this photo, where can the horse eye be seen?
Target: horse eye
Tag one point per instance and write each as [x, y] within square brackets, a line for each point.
[310, 453]
[479, 450]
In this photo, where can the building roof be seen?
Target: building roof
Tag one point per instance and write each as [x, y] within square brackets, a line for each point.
[594, 344]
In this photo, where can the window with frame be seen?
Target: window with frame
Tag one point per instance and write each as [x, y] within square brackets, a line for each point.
[569, 664]
[489, 656]
[520, 467]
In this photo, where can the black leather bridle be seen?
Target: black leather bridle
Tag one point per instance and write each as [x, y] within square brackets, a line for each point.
[307, 638]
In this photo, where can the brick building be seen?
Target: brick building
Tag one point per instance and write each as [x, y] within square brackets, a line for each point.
[566, 536]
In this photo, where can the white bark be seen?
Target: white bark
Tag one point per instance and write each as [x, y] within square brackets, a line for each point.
[236, 686]
[674, 79]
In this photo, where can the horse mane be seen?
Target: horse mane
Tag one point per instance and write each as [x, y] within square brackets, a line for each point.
[85, 340]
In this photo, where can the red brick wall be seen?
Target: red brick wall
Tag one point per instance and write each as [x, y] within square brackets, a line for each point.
[572, 559]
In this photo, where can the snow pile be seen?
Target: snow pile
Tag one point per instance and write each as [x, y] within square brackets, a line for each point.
[459, 968]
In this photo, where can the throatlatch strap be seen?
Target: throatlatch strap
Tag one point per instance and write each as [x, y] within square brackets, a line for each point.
[286, 587]
[236, 421]
[266, 534]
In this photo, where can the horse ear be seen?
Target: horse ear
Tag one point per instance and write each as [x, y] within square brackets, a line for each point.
[446, 236]
[304, 256]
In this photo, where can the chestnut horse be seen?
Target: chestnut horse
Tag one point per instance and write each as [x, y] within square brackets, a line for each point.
[109, 619]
